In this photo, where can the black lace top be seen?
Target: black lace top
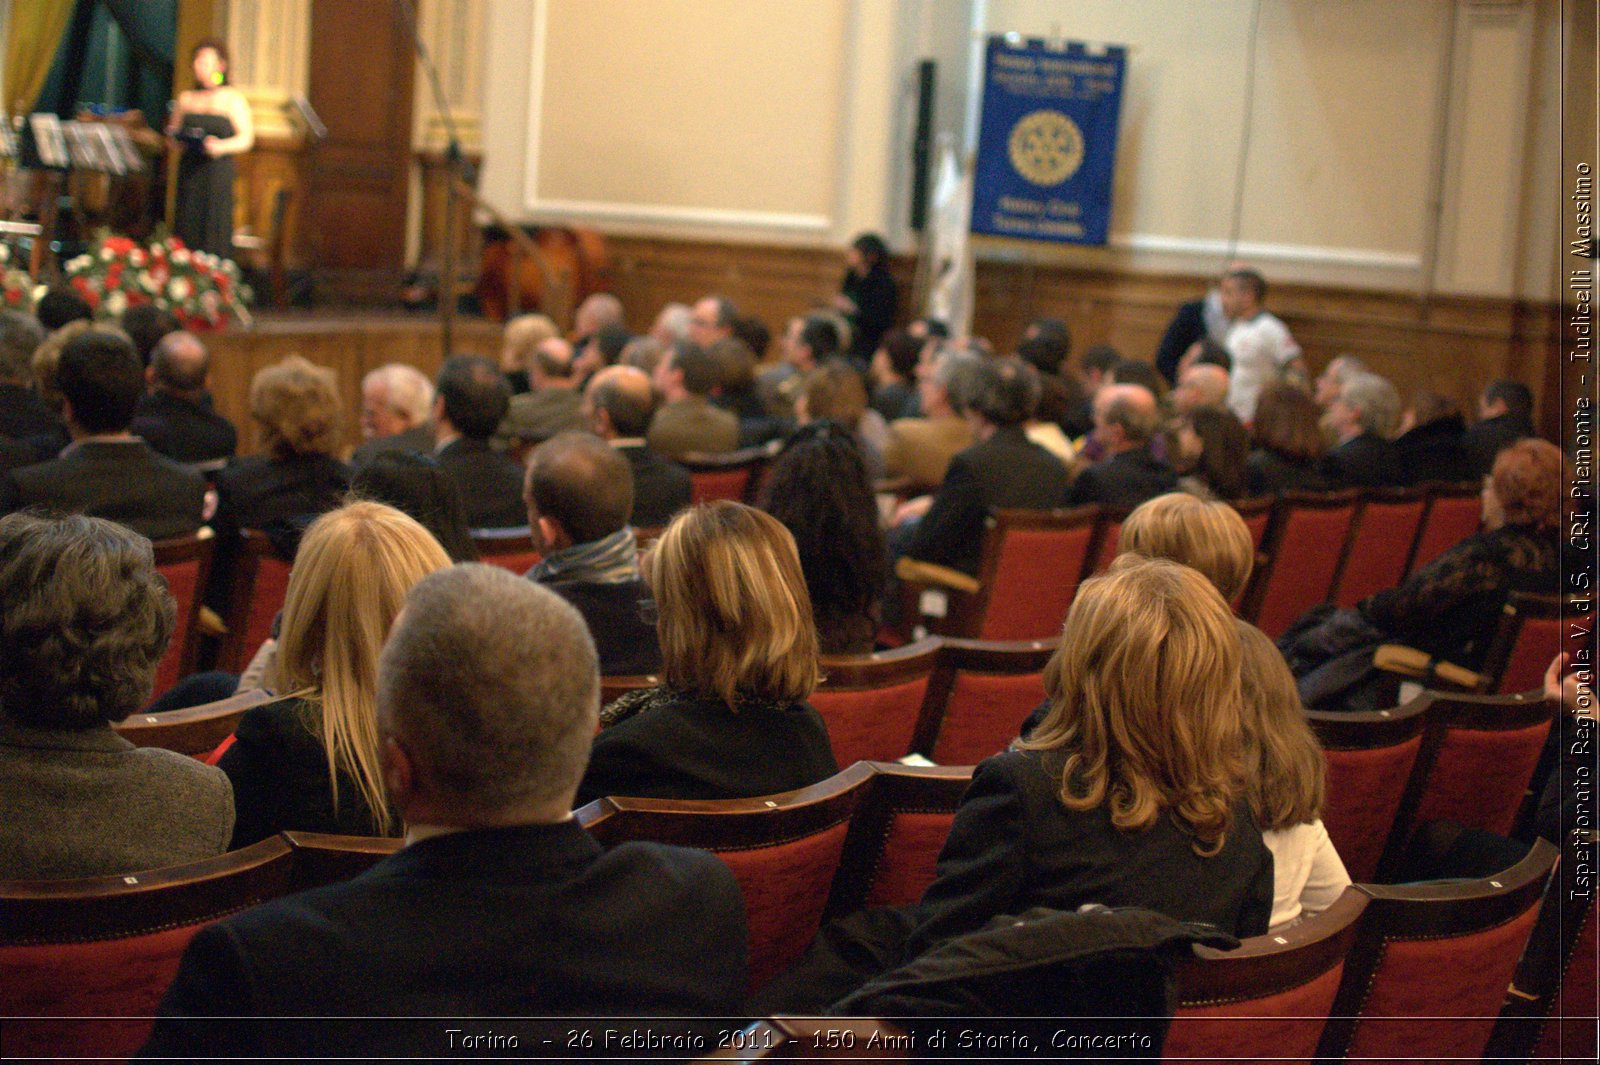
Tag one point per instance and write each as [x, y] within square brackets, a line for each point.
[1451, 607]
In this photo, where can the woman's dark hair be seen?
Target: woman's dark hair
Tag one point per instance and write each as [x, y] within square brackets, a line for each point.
[217, 45]
[84, 619]
[874, 252]
[1286, 423]
[818, 489]
[416, 485]
[1224, 446]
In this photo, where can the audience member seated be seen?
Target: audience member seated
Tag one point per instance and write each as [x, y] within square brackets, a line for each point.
[619, 403]
[1262, 348]
[1004, 469]
[736, 380]
[418, 487]
[500, 905]
[1429, 446]
[600, 349]
[711, 319]
[598, 311]
[1287, 444]
[298, 408]
[1209, 448]
[550, 405]
[1505, 415]
[1208, 536]
[106, 472]
[1125, 419]
[24, 417]
[145, 325]
[1094, 371]
[739, 659]
[310, 762]
[1288, 782]
[835, 392]
[396, 401]
[686, 421]
[470, 399]
[1143, 374]
[1108, 800]
[579, 494]
[47, 357]
[893, 371]
[521, 337]
[1451, 607]
[176, 417]
[672, 323]
[807, 344]
[61, 307]
[84, 618]
[1332, 378]
[1362, 420]
[818, 488]
[868, 297]
[1201, 385]
[920, 449]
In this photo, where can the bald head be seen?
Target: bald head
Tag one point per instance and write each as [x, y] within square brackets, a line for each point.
[581, 483]
[595, 313]
[1201, 385]
[1125, 417]
[552, 364]
[619, 402]
[179, 363]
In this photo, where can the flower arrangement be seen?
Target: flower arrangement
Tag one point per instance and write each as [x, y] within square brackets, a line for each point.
[201, 290]
[16, 285]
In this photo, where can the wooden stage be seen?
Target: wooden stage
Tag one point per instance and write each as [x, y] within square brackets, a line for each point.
[352, 343]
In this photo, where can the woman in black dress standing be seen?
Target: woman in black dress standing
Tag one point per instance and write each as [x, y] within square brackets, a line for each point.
[211, 124]
[868, 297]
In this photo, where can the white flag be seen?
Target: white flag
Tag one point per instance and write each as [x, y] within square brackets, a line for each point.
[951, 282]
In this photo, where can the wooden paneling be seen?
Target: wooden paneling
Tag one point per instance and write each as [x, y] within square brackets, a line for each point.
[1453, 344]
[360, 84]
[352, 346]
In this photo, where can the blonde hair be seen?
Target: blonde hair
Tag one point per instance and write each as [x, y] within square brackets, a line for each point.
[523, 334]
[1288, 776]
[1209, 536]
[350, 579]
[297, 405]
[1144, 701]
[735, 615]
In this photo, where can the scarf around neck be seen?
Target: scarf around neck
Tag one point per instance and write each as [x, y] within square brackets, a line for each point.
[612, 559]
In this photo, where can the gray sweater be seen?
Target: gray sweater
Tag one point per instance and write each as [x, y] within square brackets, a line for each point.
[89, 803]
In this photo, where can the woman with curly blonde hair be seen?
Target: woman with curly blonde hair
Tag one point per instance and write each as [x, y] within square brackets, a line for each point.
[310, 760]
[1131, 791]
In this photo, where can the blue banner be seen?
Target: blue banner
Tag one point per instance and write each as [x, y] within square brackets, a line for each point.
[1047, 142]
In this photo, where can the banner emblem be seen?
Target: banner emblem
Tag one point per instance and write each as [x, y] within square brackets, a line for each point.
[1046, 147]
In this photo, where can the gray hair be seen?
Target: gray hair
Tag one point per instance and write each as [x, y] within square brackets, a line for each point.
[493, 684]
[1374, 399]
[957, 372]
[1342, 366]
[20, 336]
[408, 390]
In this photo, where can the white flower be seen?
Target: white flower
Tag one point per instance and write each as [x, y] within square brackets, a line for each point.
[117, 302]
[180, 288]
[181, 256]
[106, 255]
[136, 257]
[5, 253]
[146, 281]
[39, 292]
[79, 263]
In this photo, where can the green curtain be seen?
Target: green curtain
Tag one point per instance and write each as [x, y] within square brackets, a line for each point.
[115, 54]
[32, 38]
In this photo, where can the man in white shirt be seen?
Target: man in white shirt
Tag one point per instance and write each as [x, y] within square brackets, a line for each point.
[1259, 342]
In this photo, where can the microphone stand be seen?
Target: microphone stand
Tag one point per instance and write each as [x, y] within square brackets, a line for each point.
[455, 170]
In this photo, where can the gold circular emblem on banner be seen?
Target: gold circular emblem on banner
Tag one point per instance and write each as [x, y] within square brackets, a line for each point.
[1046, 147]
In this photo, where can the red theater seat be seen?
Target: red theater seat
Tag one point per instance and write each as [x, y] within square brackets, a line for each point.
[871, 703]
[1369, 758]
[895, 837]
[980, 694]
[185, 562]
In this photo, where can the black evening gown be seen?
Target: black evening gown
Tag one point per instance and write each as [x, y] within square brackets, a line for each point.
[204, 217]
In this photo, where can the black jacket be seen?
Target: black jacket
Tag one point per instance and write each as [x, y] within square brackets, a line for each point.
[1005, 471]
[418, 440]
[627, 645]
[24, 416]
[184, 430]
[1365, 461]
[124, 482]
[490, 483]
[661, 487]
[1268, 473]
[261, 491]
[1434, 452]
[1124, 480]
[498, 923]
[1484, 440]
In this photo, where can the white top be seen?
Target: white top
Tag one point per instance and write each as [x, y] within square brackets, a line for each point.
[1261, 347]
[1307, 874]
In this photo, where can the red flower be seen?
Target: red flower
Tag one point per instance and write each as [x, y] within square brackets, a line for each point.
[119, 245]
[13, 296]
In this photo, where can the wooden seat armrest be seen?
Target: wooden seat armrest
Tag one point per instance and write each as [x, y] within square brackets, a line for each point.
[1410, 662]
[915, 571]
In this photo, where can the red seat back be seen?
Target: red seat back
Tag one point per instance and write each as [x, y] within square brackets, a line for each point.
[1270, 998]
[1428, 972]
[510, 549]
[1032, 563]
[1532, 632]
[1369, 758]
[185, 562]
[898, 830]
[1569, 1029]
[1379, 544]
[261, 584]
[1110, 533]
[871, 703]
[707, 485]
[979, 696]
[1454, 513]
[1303, 549]
[783, 849]
[1257, 515]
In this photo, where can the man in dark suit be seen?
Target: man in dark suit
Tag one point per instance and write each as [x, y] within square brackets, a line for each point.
[396, 400]
[500, 905]
[1125, 418]
[1004, 469]
[107, 472]
[176, 417]
[618, 404]
[1363, 417]
[579, 492]
[1505, 415]
[23, 415]
[471, 396]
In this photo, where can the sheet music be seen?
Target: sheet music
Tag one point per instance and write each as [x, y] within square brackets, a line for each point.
[47, 138]
[115, 163]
